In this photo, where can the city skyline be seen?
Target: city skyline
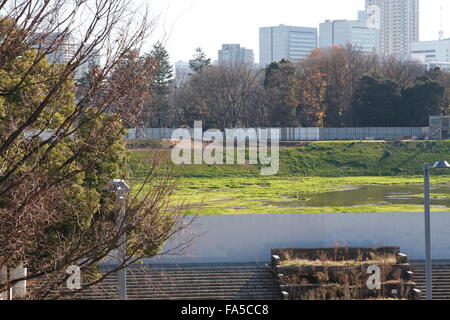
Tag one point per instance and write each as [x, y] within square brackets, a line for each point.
[185, 25]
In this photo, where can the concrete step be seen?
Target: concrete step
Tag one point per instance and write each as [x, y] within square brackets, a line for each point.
[190, 289]
[190, 277]
[199, 274]
[441, 280]
[206, 296]
[210, 282]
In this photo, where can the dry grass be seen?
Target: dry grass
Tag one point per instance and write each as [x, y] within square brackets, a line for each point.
[382, 260]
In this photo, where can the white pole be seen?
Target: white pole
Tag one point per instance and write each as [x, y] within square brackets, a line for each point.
[122, 250]
[428, 267]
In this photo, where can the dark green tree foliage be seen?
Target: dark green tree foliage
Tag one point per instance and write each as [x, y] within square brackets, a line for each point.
[200, 61]
[282, 85]
[382, 102]
[163, 76]
[160, 87]
[422, 101]
[443, 78]
[376, 103]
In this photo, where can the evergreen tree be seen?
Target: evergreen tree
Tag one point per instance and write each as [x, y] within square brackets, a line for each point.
[164, 70]
[377, 103]
[200, 62]
[282, 88]
[421, 101]
[160, 87]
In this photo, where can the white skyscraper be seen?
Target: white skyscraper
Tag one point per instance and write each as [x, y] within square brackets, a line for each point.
[182, 72]
[398, 22]
[86, 67]
[344, 32]
[235, 54]
[286, 42]
[61, 48]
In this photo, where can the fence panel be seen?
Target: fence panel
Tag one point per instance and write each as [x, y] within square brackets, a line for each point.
[297, 134]
[327, 134]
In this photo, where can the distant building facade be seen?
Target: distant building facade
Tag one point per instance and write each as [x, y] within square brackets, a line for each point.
[286, 42]
[86, 67]
[444, 66]
[344, 32]
[62, 50]
[182, 72]
[398, 22]
[431, 51]
[235, 54]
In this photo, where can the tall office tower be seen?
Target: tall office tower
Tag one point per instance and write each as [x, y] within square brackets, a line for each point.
[61, 49]
[86, 67]
[182, 72]
[398, 22]
[344, 32]
[235, 54]
[286, 42]
[362, 16]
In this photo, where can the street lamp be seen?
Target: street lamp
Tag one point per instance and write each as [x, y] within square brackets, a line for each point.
[440, 165]
[121, 189]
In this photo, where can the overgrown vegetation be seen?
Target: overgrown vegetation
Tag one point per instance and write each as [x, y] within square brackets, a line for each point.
[327, 262]
[305, 171]
[324, 159]
[342, 273]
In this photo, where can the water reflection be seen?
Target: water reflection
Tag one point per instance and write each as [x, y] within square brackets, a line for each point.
[371, 195]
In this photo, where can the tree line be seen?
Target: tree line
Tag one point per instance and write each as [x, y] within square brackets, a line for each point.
[333, 87]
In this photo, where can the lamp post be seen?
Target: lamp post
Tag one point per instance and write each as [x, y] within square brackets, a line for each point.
[428, 265]
[121, 189]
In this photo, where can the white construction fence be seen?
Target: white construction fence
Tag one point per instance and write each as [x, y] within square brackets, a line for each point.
[299, 134]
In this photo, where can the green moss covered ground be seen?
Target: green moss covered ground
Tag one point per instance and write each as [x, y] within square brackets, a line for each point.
[313, 168]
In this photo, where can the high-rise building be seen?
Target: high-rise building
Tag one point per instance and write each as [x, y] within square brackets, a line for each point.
[344, 32]
[286, 42]
[398, 22]
[93, 61]
[235, 54]
[62, 48]
[182, 72]
[362, 15]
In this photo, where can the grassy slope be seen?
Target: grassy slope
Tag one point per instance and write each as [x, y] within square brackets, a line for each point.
[327, 159]
[317, 167]
[363, 158]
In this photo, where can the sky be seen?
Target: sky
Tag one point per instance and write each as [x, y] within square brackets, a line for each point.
[184, 25]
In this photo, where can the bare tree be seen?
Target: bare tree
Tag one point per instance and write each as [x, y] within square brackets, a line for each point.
[401, 71]
[342, 67]
[54, 211]
[228, 95]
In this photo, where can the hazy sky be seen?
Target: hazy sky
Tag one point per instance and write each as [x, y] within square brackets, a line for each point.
[187, 24]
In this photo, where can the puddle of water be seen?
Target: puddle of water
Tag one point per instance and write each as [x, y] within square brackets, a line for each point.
[369, 195]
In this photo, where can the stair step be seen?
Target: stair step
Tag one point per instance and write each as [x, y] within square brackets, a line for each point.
[192, 289]
[200, 283]
[441, 280]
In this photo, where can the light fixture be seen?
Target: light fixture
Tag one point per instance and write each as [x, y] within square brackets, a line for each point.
[441, 165]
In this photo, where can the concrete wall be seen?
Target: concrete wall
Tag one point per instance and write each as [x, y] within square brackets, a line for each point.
[249, 238]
